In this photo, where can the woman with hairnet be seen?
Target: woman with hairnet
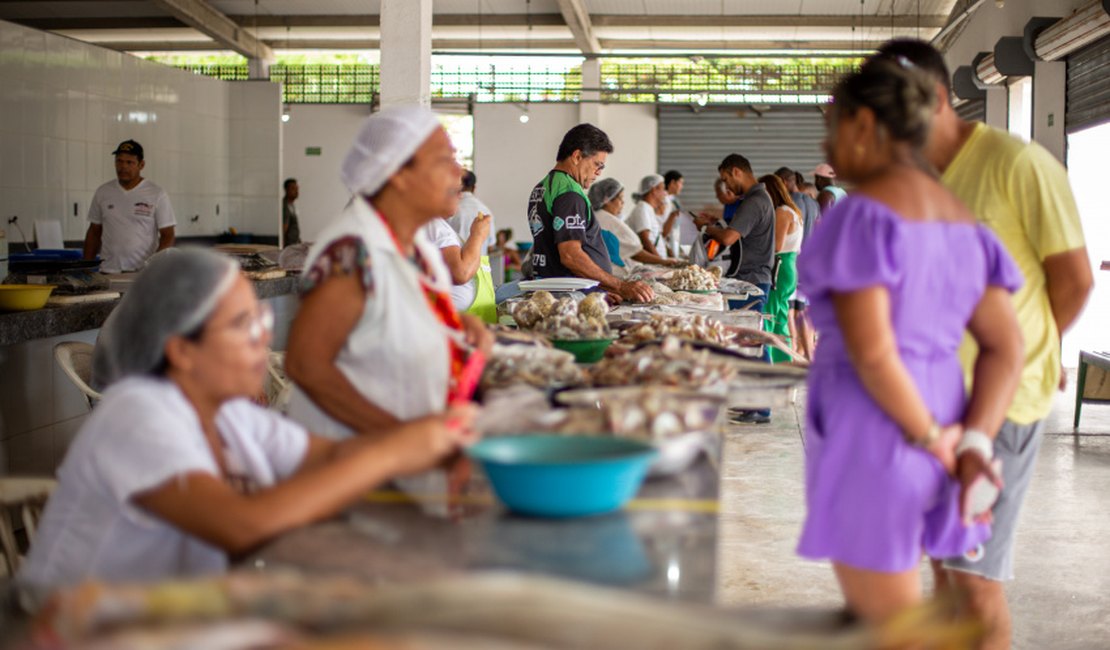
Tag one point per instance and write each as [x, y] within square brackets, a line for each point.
[176, 468]
[377, 340]
[607, 201]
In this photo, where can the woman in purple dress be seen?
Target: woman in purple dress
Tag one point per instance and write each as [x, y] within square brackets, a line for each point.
[897, 273]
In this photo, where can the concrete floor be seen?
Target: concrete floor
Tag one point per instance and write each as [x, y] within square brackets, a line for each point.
[1061, 596]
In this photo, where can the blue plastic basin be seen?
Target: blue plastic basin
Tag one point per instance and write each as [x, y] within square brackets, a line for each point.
[563, 476]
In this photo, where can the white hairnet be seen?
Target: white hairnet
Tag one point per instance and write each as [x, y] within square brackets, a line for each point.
[604, 191]
[647, 184]
[176, 292]
[386, 140]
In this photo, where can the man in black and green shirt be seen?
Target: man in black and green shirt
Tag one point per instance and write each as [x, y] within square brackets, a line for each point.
[567, 237]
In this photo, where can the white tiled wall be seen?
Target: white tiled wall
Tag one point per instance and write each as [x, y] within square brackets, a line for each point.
[64, 107]
[254, 178]
[66, 104]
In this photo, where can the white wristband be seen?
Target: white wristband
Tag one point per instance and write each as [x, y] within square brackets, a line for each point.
[977, 441]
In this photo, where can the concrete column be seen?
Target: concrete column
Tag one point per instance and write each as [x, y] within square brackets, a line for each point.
[1049, 94]
[589, 110]
[998, 106]
[259, 68]
[406, 52]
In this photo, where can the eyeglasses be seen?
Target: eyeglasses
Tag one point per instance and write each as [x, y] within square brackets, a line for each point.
[256, 327]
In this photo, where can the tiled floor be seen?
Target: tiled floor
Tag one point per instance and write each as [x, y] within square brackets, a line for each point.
[1061, 597]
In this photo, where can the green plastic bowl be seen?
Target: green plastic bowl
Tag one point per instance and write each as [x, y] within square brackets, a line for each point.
[590, 351]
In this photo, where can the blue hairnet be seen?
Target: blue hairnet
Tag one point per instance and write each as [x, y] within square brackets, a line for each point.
[175, 294]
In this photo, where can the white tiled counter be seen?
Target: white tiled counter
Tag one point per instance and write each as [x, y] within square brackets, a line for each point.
[40, 408]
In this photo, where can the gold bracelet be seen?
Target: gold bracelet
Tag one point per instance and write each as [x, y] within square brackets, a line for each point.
[931, 436]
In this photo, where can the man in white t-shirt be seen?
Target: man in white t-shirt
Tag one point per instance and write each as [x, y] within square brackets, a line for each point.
[470, 207]
[130, 218]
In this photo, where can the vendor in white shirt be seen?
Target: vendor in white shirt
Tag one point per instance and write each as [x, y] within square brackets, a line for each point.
[177, 469]
[130, 218]
[646, 218]
[377, 340]
[470, 206]
[607, 201]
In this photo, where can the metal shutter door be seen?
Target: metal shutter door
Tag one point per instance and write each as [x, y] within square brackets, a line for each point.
[695, 143]
[1088, 95]
[973, 110]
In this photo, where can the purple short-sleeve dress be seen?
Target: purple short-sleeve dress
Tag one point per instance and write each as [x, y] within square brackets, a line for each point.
[874, 501]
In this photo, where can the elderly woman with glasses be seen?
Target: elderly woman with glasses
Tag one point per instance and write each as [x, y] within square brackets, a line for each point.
[177, 469]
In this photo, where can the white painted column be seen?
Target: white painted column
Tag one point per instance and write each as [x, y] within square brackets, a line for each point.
[1049, 94]
[259, 68]
[406, 52]
[998, 106]
[589, 110]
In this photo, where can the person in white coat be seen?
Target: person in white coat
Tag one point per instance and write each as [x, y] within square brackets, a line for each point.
[376, 340]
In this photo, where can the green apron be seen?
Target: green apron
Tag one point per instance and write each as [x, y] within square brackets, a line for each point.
[485, 298]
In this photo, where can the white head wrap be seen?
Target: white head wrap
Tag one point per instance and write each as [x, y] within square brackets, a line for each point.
[385, 142]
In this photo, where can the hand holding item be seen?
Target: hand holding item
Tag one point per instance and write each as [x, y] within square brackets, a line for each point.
[704, 219]
[636, 291]
[980, 487]
[979, 474]
[480, 227]
[476, 333]
[422, 444]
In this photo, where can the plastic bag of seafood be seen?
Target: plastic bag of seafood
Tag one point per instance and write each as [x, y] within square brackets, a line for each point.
[692, 278]
[511, 365]
[695, 327]
[672, 363]
[682, 424]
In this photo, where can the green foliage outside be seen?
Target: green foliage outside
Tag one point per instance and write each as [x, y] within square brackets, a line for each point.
[351, 78]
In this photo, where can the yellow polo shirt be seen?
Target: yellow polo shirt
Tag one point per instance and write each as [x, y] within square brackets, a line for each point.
[1022, 194]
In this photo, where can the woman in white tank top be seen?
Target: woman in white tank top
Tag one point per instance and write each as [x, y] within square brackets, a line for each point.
[788, 243]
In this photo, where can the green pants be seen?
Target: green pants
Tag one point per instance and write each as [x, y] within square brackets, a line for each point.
[778, 303]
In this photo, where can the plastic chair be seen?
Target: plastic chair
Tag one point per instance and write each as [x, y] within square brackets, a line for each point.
[75, 358]
[25, 498]
[278, 388]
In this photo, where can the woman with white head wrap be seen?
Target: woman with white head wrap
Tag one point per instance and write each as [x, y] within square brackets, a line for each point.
[376, 339]
[607, 201]
[177, 468]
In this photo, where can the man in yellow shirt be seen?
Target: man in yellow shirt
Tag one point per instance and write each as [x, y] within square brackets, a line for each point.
[1022, 194]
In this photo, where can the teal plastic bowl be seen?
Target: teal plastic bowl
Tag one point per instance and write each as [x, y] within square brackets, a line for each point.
[563, 476]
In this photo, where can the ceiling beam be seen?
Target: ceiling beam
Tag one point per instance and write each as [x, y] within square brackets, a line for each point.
[577, 18]
[518, 45]
[497, 20]
[766, 21]
[209, 21]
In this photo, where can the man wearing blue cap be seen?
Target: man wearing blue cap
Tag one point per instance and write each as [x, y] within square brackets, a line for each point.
[130, 218]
